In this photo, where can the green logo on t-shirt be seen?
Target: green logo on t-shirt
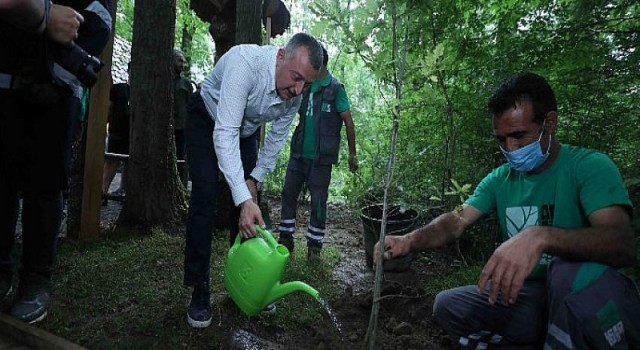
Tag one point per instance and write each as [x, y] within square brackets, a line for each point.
[519, 218]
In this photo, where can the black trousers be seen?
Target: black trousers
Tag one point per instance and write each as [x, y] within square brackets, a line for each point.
[33, 148]
[204, 171]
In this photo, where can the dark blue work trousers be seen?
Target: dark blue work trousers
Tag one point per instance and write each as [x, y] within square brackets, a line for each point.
[582, 305]
[317, 177]
[204, 172]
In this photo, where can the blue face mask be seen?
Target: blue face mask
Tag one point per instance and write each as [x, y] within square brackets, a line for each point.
[529, 157]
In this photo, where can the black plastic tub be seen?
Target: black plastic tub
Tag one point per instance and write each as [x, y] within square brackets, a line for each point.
[398, 223]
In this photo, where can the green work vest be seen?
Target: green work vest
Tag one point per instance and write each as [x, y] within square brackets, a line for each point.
[327, 122]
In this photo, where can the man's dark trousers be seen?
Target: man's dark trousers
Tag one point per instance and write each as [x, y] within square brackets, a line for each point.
[204, 172]
[33, 141]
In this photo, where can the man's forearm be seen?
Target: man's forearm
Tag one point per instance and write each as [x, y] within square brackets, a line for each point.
[442, 230]
[614, 246]
[351, 131]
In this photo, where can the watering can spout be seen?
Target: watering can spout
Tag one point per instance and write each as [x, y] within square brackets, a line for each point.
[281, 290]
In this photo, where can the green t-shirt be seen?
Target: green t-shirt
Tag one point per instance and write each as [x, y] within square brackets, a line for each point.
[342, 104]
[579, 182]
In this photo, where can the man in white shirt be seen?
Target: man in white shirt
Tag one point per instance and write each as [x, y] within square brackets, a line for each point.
[250, 85]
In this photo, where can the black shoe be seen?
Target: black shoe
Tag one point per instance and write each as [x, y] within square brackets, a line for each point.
[199, 311]
[287, 241]
[313, 254]
[269, 310]
[31, 304]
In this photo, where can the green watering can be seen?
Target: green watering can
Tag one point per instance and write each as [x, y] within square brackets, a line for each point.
[253, 270]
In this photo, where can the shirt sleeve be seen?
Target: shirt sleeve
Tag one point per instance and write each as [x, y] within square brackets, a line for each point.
[484, 197]
[601, 184]
[274, 142]
[237, 82]
[342, 100]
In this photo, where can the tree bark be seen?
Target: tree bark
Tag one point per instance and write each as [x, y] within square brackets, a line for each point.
[186, 45]
[155, 195]
[248, 30]
[249, 22]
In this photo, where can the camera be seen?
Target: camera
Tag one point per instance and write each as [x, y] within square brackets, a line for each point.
[79, 63]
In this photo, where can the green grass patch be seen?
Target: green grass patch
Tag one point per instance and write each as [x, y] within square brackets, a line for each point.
[453, 277]
[126, 291]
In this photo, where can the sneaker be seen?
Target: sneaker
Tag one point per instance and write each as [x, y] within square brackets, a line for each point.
[269, 310]
[313, 254]
[199, 311]
[287, 241]
[31, 306]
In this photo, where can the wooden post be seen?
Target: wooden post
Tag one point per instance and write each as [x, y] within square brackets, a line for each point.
[94, 156]
[16, 334]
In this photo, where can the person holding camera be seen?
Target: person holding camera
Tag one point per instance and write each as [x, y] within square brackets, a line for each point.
[47, 57]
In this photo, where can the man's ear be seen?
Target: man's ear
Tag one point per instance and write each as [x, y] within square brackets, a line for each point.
[280, 55]
[552, 122]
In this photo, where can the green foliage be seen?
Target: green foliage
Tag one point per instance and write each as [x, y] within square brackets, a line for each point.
[459, 53]
[462, 192]
[199, 49]
[124, 19]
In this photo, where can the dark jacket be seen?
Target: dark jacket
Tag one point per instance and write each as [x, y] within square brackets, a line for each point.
[327, 124]
[32, 56]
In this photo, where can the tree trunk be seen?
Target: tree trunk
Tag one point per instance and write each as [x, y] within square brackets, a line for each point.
[249, 22]
[248, 31]
[155, 195]
[185, 46]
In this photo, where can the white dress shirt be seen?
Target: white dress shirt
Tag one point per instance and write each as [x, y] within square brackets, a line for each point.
[240, 94]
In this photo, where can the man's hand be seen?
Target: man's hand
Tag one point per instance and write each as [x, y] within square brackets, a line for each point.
[353, 163]
[250, 214]
[510, 265]
[63, 24]
[394, 246]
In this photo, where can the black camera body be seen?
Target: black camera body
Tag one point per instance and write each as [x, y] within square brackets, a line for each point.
[79, 63]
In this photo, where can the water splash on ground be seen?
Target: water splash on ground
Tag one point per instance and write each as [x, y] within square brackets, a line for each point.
[242, 339]
[332, 315]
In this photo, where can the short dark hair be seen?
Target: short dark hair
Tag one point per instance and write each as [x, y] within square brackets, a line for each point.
[524, 87]
[312, 45]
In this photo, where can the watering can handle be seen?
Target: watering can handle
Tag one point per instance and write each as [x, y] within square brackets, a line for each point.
[264, 233]
[267, 236]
